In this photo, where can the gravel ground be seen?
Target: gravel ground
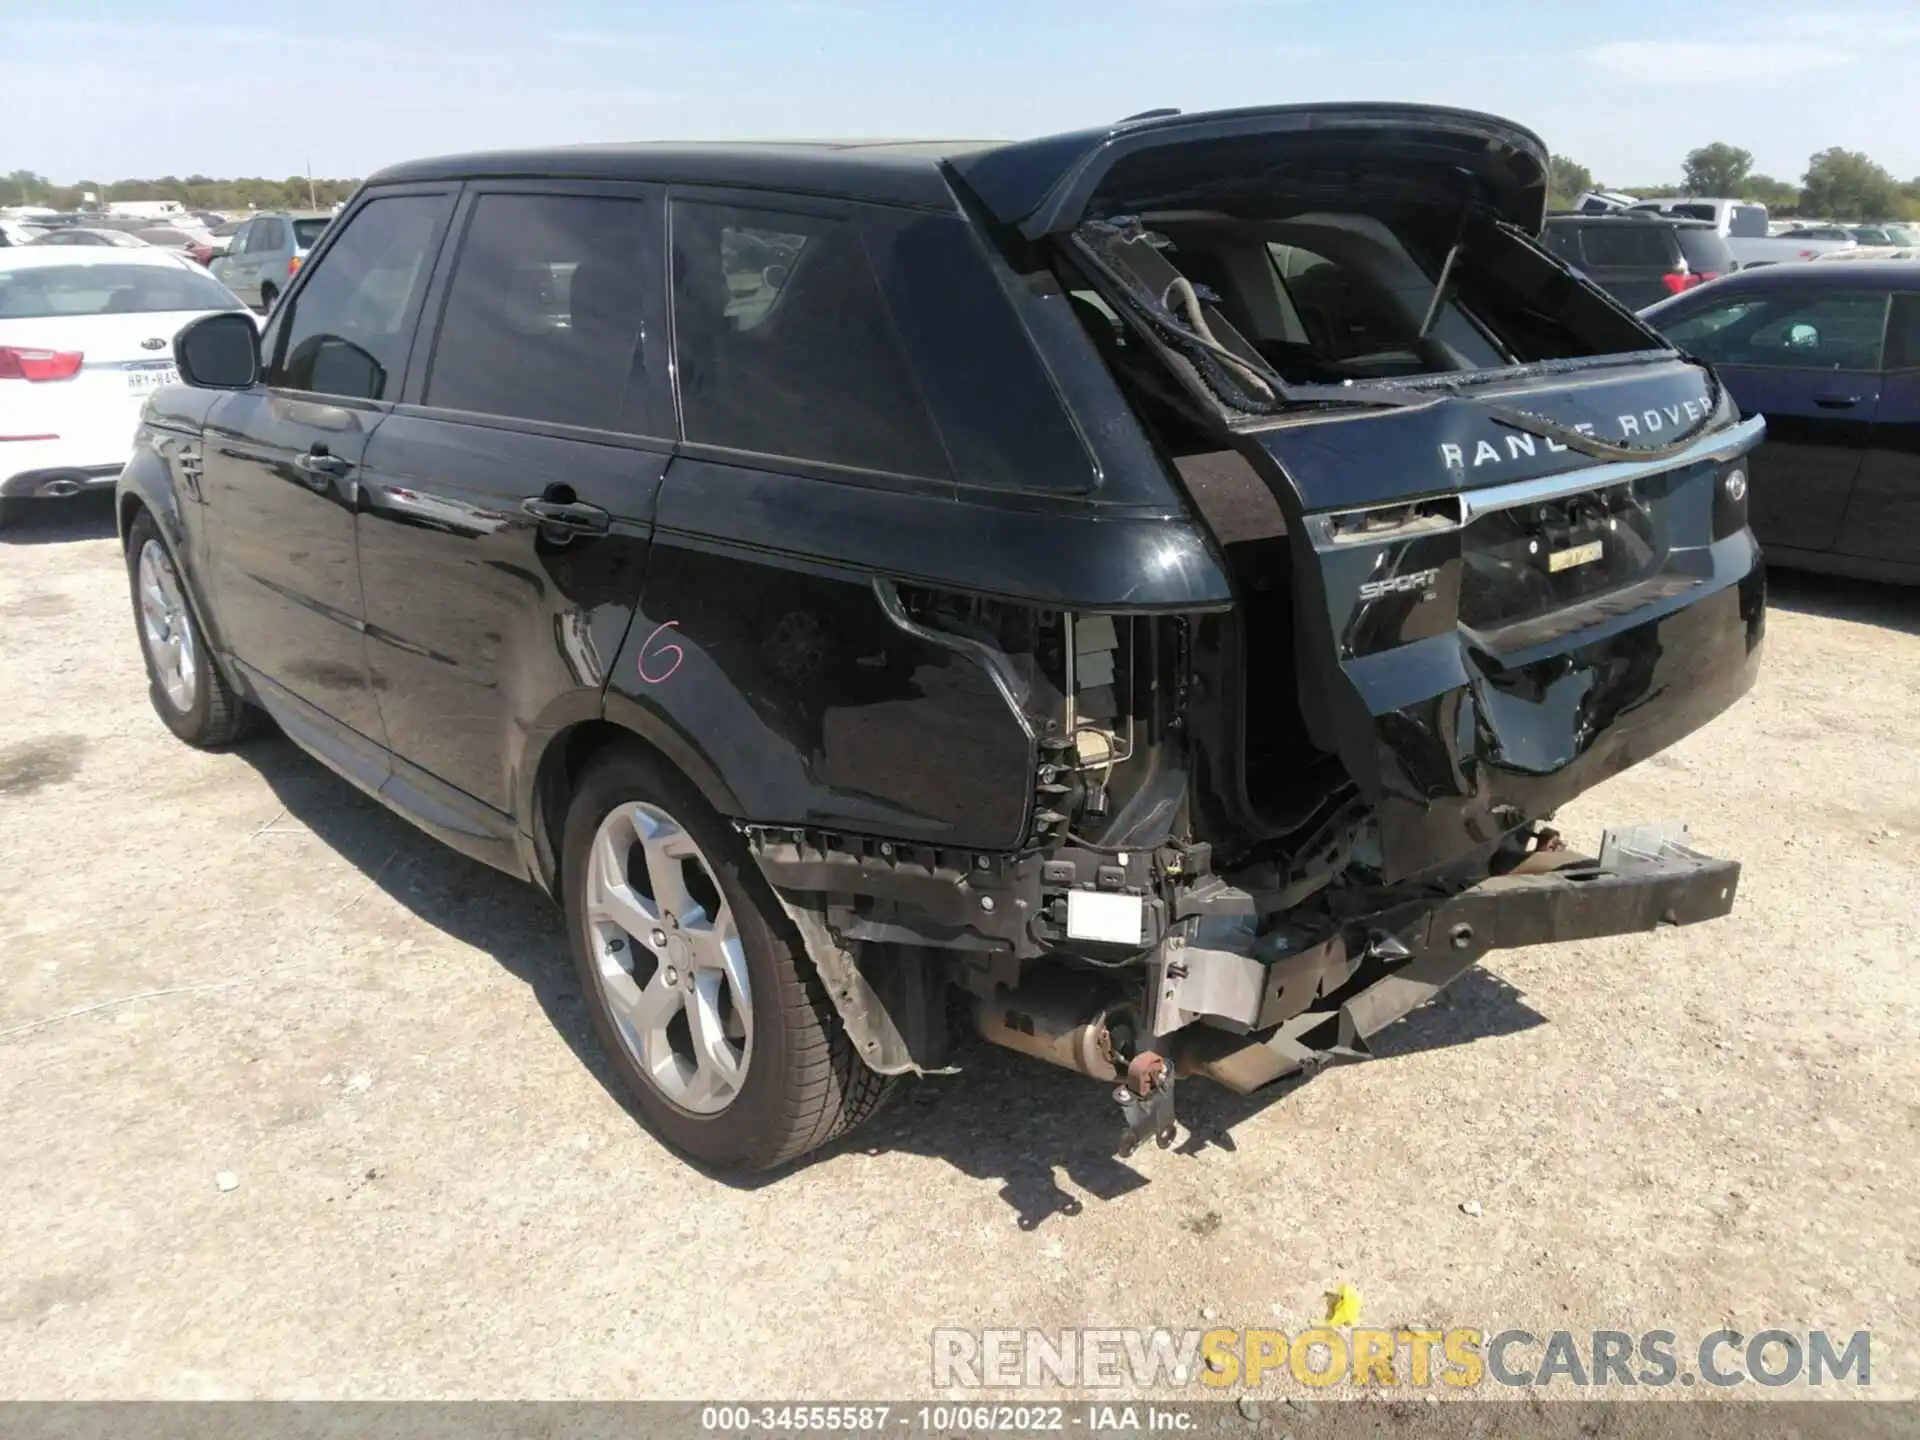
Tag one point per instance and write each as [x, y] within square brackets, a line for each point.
[294, 1102]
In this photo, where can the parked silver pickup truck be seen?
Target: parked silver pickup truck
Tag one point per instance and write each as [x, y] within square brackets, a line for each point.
[1743, 224]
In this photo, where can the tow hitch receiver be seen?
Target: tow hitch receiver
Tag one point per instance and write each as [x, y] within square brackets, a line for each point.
[1373, 969]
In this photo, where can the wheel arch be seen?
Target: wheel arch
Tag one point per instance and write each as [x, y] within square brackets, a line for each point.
[146, 487]
[889, 1023]
[572, 747]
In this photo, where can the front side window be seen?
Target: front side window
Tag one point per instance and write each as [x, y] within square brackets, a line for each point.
[1749, 222]
[546, 315]
[1790, 329]
[348, 329]
[784, 344]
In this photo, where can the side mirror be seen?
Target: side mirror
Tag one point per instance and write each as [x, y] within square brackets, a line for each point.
[219, 352]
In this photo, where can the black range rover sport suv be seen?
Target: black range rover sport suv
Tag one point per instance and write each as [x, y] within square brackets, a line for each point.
[1146, 589]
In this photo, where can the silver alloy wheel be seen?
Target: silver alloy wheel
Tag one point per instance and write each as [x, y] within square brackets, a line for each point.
[166, 626]
[669, 956]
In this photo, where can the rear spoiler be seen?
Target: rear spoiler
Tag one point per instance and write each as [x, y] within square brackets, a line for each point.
[1047, 186]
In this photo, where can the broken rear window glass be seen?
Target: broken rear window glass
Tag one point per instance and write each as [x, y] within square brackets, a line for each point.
[1343, 297]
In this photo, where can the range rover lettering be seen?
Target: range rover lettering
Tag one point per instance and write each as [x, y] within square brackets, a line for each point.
[1064, 577]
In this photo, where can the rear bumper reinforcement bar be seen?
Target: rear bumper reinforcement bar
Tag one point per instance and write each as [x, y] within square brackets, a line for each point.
[1383, 965]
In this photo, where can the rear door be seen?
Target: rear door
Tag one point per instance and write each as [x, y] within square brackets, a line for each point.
[1883, 515]
[1809, 360]
[507, 504]
[281, 461]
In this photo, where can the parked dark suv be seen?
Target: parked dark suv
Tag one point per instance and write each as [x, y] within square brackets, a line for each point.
[1153, 584]
[1638, 257]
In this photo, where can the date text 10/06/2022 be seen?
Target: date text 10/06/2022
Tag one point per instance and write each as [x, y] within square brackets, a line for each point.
[944, 1418]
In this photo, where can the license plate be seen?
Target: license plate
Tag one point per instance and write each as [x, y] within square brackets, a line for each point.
[141, 381]
[1574, 555]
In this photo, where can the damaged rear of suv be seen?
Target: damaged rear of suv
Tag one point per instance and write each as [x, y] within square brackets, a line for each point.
[1147, 591]
[1474, 540]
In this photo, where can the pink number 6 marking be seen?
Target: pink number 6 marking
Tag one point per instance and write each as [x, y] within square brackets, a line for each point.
[655, 676]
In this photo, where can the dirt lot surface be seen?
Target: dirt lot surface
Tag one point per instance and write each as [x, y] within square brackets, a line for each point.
[294, 1102]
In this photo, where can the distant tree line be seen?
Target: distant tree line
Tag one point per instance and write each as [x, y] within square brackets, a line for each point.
[1839, 184]
[196, 192]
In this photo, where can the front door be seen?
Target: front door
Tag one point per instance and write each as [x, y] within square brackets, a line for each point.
[1809, 360]
[282, 460]
[1883, 518]
[509, 503]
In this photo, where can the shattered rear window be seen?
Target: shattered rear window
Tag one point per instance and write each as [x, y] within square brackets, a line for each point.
[1341, 298]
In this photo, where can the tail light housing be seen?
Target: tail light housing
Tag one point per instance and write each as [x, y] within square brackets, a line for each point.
[1681, 280]
[21, 363]
[293, 264]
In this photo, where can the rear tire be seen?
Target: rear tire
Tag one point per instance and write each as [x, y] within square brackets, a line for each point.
[700, 992]
[190, 695]
[267, 296]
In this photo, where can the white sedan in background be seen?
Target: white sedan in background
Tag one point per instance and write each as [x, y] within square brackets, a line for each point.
[85, 334]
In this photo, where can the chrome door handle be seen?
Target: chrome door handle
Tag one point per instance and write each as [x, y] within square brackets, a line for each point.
[568, 515]
[320, 469]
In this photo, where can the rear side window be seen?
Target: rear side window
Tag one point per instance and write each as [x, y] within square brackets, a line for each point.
[349, 325]
[1705, 252]
[1563, 241]
[784, 345]
[1694, 212]
[1788, 329]
[546, 312]
[1749, 222]
[1628, 246]
[264, 238]
[49, 290]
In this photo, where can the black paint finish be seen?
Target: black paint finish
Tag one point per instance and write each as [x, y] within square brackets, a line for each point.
[285, 578]
[879, 658]
[479, 617]
[787, 678]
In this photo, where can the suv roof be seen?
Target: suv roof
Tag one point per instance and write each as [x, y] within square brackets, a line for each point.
[899, 172]
[1045, 184]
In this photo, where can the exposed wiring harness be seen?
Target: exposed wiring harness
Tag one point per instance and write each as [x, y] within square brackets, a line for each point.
[1197, 323]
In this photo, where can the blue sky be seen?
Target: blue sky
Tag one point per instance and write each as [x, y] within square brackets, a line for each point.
[105, 89]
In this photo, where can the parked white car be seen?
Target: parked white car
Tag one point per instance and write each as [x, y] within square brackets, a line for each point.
[86, 333]
[1745, 227]
[1874, 252]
